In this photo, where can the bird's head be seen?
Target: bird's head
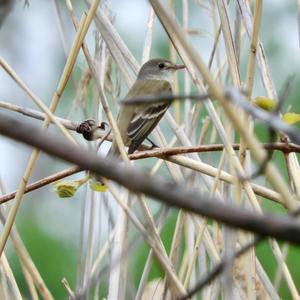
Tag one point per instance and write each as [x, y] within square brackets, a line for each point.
[158, 69]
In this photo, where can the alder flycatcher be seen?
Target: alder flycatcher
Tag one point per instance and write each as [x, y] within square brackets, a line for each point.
[136, 122]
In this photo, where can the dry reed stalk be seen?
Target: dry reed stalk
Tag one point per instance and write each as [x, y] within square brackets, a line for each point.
[30, 284]
[151, 239]
[249, 259]
[185, 168]
[187, 81]
[149, 35]
[35, 99]
[31, 273]
[26, 260]
[203, 224]
[36, 114]
[117, 277]
[191, 57]
[61, 27]
[271, 172]
[63, 81]
[146, 270]
[12, 288]
[173, 56]
[144, 205]
[253, 144]
[229, 237]
[66, 285]
[102, 96]
[262, 62]
[229, 44]
[279, 272]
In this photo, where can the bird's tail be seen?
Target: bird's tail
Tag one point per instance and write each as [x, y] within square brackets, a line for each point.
[113, 153]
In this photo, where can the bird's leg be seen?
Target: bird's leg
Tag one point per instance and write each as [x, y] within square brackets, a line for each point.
[153, 145]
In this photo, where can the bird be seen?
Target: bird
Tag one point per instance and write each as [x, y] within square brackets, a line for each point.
[136, 122]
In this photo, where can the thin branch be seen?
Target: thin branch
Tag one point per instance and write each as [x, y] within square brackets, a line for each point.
[84, 25]
[280, 227]
[42, 182]
[216, 41]
[234, 95]
[164, 153]
[269, 119]
[102, 97]
[191, 58]
[161, 152]
[37, 114]
[34, 98]
[88, 128]
[99, 133]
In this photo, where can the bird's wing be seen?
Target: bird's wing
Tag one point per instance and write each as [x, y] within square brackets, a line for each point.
[146, 116]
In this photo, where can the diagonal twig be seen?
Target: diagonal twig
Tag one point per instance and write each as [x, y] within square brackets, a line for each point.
[281, 227]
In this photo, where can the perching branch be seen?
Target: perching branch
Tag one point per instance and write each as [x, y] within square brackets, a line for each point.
[92, 131]
[176, 195]
[161, 152]
[99, 133]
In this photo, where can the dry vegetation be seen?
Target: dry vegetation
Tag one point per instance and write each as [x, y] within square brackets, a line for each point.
[203, 252]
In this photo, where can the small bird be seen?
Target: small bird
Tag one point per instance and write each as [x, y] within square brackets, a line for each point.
[136, 122]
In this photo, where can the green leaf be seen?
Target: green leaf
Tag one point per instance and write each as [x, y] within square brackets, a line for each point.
[67, 189]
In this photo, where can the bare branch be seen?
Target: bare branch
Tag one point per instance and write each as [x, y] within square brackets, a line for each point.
[280, 227]
[42, 182]
[161, 152]
[37, 114]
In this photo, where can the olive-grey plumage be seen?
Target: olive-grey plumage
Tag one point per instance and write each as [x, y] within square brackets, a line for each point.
[136, 122]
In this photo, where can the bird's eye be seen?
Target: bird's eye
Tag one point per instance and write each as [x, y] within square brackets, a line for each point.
[161, 65]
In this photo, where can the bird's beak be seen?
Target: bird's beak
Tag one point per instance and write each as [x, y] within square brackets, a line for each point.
[178, 67]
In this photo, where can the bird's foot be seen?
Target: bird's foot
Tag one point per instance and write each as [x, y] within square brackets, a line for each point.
[153, 145]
